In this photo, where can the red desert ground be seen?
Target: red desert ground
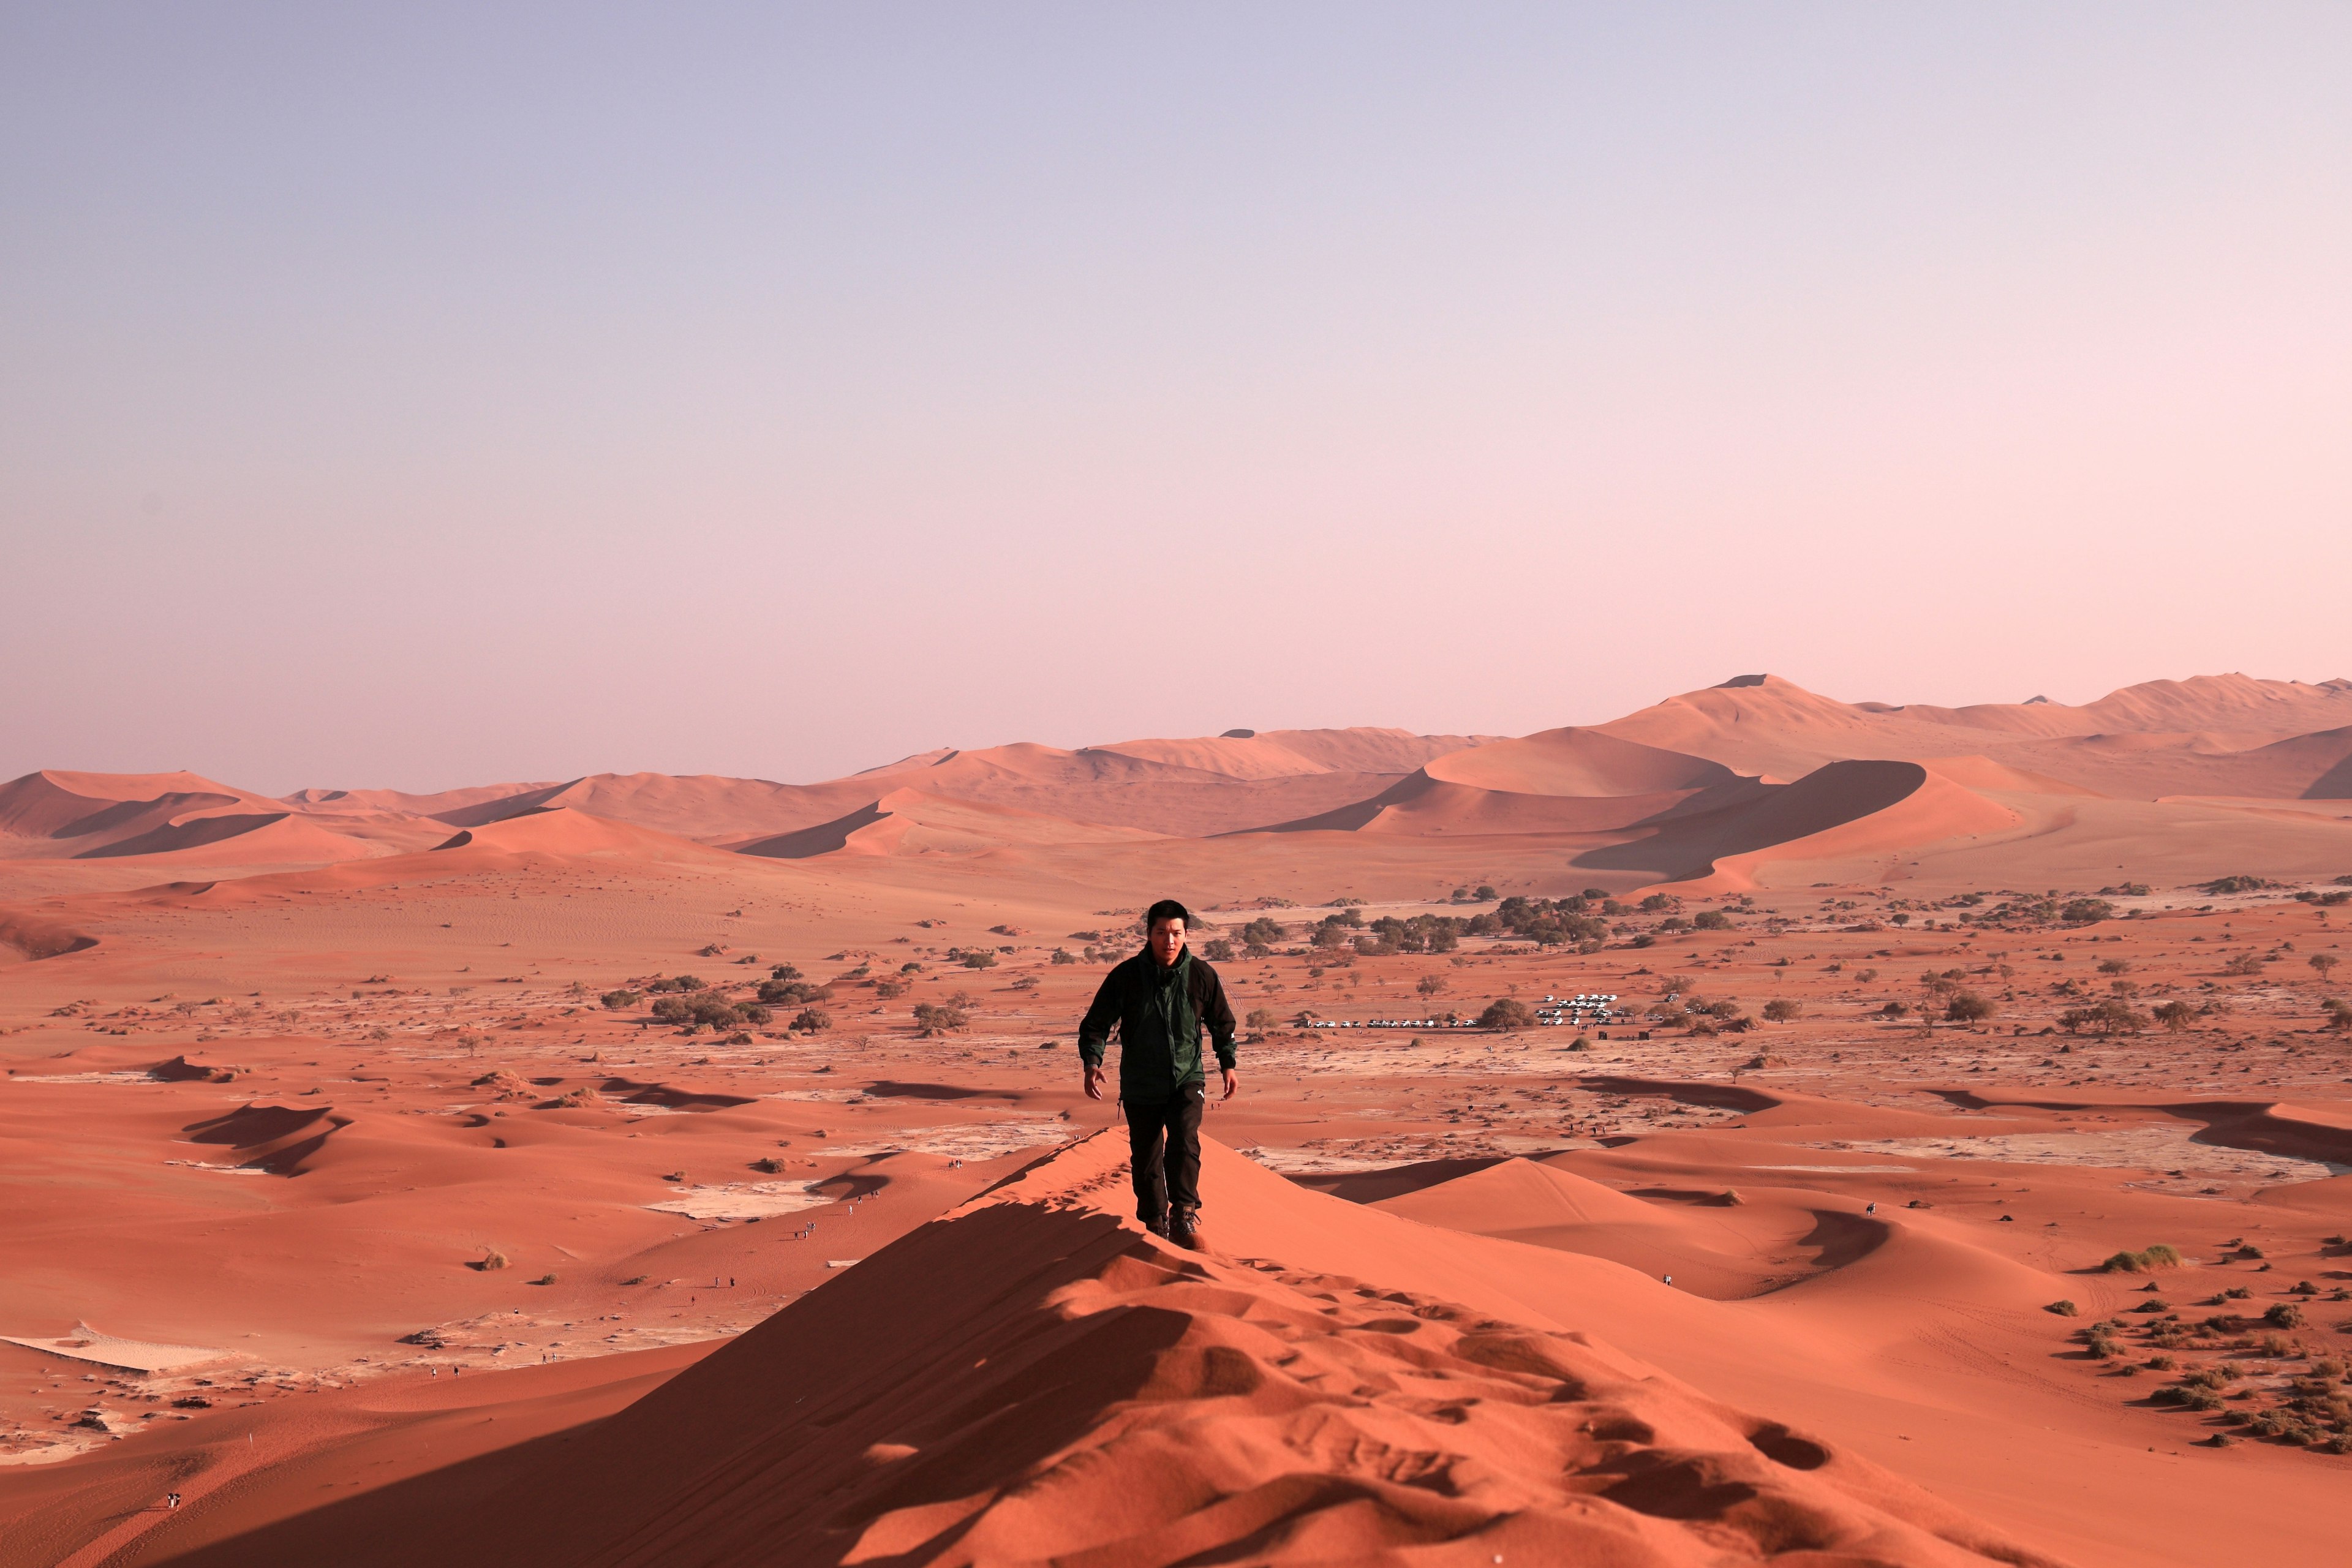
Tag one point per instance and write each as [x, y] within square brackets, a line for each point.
[657, 1170]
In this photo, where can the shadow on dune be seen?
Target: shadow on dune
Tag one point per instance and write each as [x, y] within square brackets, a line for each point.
[805, 843]
[191, 835]
[273, 1137]
[1688, 845]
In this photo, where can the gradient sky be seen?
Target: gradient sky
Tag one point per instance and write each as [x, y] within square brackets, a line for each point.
[422, 395]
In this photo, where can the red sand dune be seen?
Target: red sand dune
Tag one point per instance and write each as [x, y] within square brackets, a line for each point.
[909, 822]
[1032, 1379]
[1287, 754]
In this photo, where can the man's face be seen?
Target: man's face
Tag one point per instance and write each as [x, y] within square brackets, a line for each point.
[1167, 940]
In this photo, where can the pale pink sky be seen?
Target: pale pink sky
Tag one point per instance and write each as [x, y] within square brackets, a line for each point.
[422, 394]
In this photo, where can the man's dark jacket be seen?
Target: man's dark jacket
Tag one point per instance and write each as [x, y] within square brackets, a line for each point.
[1159, 1013]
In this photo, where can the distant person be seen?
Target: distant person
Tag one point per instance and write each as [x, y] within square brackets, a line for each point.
[1160, 1000]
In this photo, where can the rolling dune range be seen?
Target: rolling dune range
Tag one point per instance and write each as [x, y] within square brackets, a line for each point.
[286, 1076]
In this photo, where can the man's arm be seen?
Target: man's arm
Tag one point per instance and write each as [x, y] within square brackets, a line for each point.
[1217, 1012]
[1094, 1031]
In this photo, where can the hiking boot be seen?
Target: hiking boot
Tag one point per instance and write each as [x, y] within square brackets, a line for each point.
[1184, 1230]
[1157, 1227]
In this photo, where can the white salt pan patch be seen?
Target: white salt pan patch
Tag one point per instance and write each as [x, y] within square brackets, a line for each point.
[743, 1200]
[2164, 1152]
[224, 1170]
[82, 1078]
[1313, 1161]
[979, 1140]
[86, 1344]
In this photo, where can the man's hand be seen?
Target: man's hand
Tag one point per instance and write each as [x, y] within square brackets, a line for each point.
[1094, 1082]
[1232, 1083]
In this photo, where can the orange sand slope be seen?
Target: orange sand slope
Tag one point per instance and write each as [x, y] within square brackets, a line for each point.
[1033, 1379]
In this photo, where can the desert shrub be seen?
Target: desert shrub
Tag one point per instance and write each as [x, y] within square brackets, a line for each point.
[2283, 1315]
[2064, 1308]
[783, 971]
[1781, 1010]
[1506, 1012]
[2244, 963]
[939, 1018]
[2086, 912]
[755, 1012]
[977, 958]
[1218, 951]
[811, 1020]
[889, 986]
[1969, 1007]
[2340, 1014]
[2240, 884]
[1262, 1018]
[678, 982]
[768, 1165]
[2162, 1255]
[1710, 920]
[670, 1009]
[2174, 1015]
[2115, 966]
[1061, 955]
[1894, 1010]
[491, 1261]
[1264, 932]
[1431, 986]
[544, 1279]
[1373, 947]
[621, 1001]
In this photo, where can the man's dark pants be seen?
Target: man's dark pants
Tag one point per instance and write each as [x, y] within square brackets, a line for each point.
[1164, 1140]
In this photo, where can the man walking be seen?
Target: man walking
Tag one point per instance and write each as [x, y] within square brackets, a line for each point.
[1160, 1000]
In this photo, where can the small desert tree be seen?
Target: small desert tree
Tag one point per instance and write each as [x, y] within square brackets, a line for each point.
[1969, 1007]
[2340, 1014]
[2174, 1015]
[2322, 963]
[1431, 986]
[936, 1018]
[1506, 1012]
[1781, 1010]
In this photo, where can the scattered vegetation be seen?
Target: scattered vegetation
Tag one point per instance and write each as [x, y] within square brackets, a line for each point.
[621, 1001]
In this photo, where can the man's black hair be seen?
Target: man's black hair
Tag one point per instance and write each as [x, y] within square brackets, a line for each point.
[1167, 910]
